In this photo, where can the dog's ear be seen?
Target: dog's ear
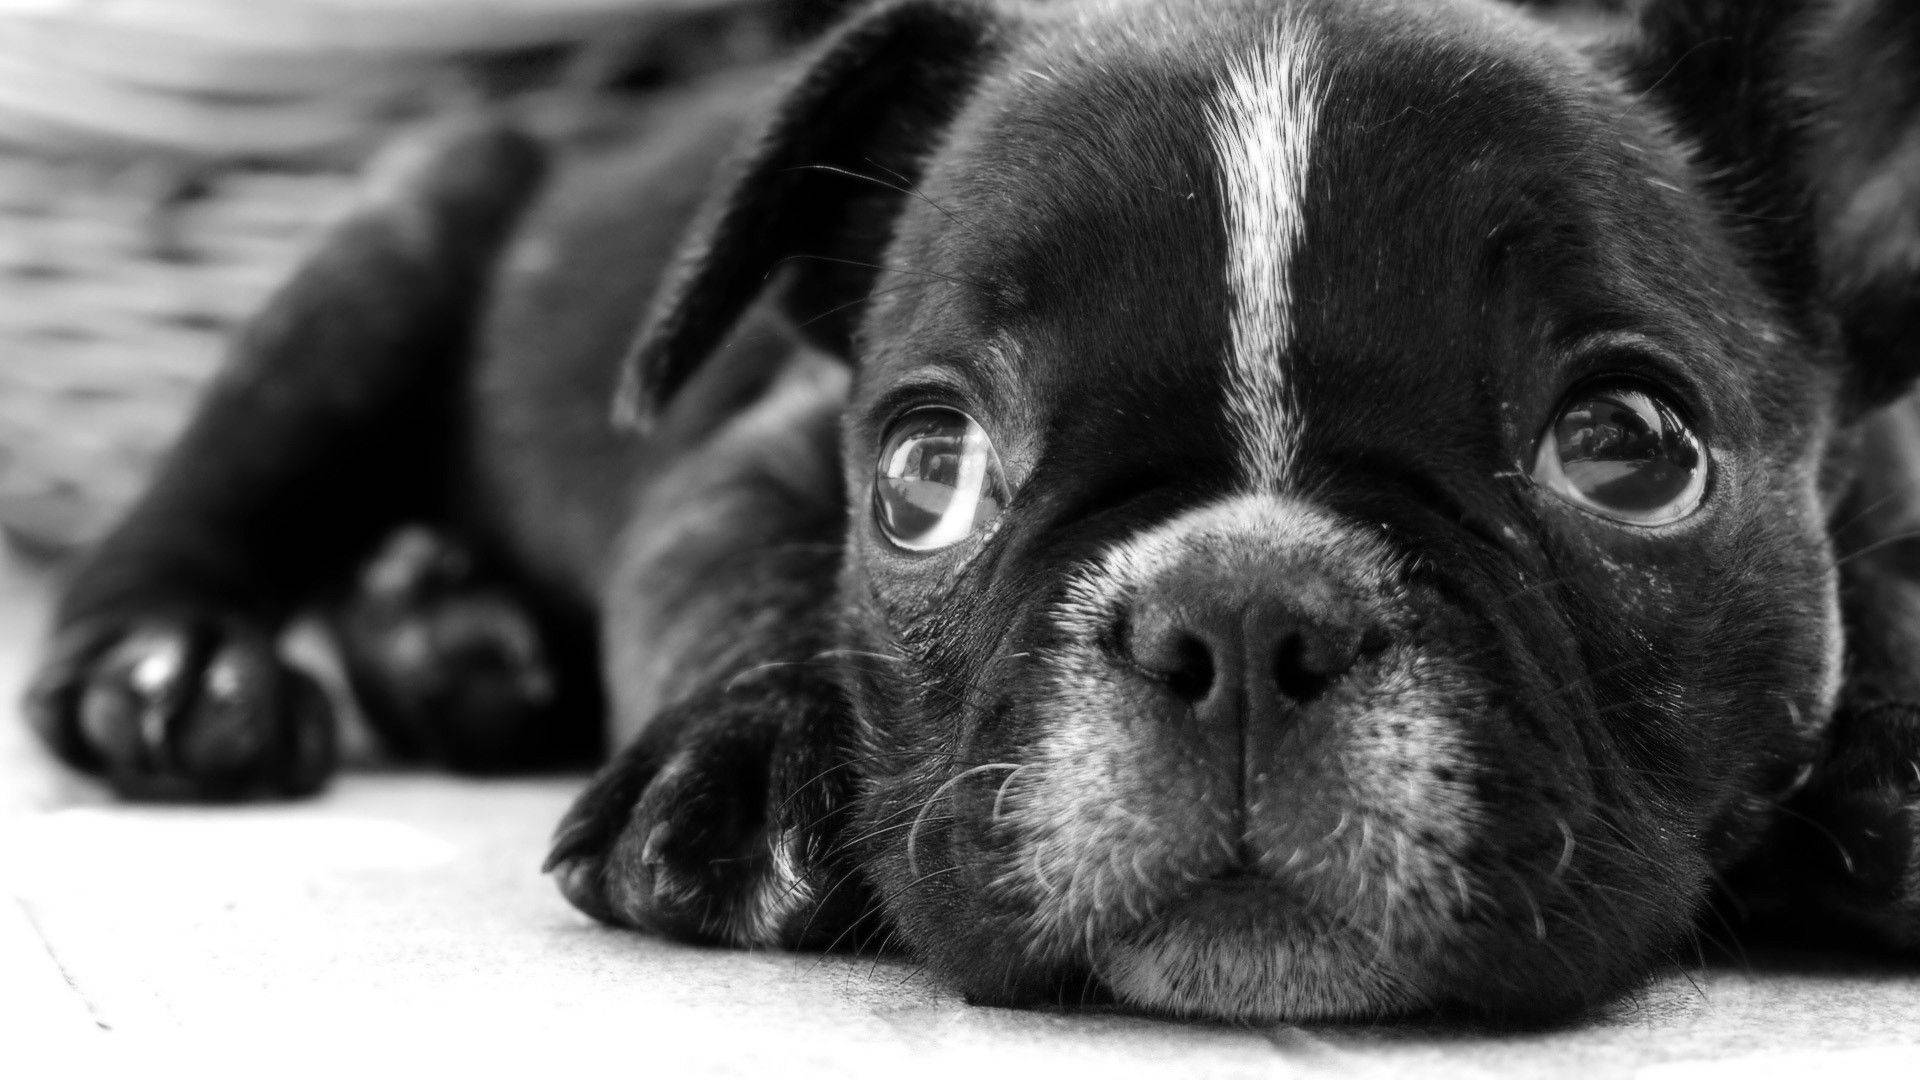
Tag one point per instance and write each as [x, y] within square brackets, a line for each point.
[1806, 114]
[815, 192]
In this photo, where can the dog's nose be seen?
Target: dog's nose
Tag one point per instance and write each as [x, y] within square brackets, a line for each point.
[1236, 650]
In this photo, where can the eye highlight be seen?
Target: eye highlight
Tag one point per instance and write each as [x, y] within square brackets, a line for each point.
[938, 480]
[1625, 454]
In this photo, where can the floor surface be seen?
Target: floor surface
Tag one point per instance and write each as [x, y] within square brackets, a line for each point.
[402, 915]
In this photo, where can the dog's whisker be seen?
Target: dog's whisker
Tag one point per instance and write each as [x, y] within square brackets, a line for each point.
[901, 187]
[860, 301]
[1860, 514]
[905, 271]
[1878, 544]
[1000, 794]
[913, 834]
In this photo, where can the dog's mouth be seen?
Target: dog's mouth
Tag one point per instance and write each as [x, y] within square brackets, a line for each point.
[1245, 943]
[1234, 900]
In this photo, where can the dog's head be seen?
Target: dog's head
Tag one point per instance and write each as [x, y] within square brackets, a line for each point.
[1340, 487]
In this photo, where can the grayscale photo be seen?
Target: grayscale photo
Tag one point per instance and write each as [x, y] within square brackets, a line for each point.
[882, 538]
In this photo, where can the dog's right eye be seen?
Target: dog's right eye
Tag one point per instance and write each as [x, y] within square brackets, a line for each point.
[938, 480]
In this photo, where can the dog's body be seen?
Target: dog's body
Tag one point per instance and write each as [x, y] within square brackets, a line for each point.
[1340, 507]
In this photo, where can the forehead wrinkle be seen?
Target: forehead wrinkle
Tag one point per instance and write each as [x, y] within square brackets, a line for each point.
[1263, 122]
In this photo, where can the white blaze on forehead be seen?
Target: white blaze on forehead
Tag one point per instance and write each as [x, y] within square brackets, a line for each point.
[1263, 125]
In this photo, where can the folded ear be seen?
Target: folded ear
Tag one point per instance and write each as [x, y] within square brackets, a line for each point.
[1807, 117]
[815, 192]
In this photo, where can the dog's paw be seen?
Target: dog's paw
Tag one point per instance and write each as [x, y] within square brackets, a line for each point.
[686, 833]
[451, 667]
[1843, 857]
[182, 707]
[1860, 825]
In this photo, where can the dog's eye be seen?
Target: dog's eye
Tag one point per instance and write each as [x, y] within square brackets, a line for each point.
[1625, 454]
[939, 480]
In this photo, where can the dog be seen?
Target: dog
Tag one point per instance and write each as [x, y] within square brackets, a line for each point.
[1249, 509]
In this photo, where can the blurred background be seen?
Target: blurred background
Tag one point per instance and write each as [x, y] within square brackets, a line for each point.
[164, 163]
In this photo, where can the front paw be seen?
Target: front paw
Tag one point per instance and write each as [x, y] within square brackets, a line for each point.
[182, 707]
[1862, 825]
[711, 827]
[1843, 858]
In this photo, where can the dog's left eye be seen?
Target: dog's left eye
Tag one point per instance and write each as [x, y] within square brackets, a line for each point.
[1625, 454]
[938, 480]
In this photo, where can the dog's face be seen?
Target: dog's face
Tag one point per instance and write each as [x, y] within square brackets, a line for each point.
[1358, 543]
[1338, 517]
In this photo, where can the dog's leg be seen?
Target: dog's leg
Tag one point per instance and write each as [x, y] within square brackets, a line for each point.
[1848, 852]
[329, 423]
[718, 821]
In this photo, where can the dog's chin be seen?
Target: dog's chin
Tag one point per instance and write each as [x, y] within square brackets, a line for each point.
[1252, 952]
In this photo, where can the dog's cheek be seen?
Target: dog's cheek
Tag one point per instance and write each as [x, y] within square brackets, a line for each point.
[1706, 685]
[924, 749]
[1713, 666]
[1759, 679]
[1107, 809]
[939, 879]
[1573, 896]
[1769, 702]
[1555, 890]
[981, 796]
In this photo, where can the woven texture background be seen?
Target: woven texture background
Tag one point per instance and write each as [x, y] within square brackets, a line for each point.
[164, 163]
[118, 285]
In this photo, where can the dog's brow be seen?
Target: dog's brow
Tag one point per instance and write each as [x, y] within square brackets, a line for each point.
[987, 376]
[1262, 128]
[992, 367]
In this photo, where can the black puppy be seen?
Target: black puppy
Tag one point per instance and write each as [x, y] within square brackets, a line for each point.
[1341, 507]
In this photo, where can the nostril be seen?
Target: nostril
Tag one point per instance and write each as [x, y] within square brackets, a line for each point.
[1165, 650]
[1190, 676]
[1299, 676]
[1305, 664]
